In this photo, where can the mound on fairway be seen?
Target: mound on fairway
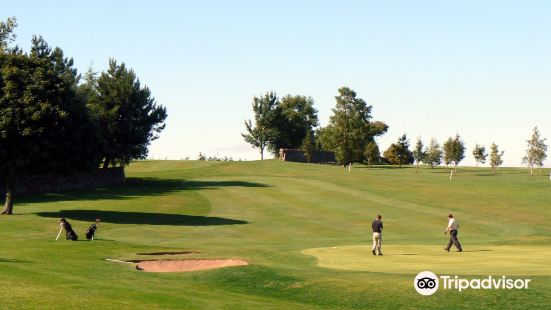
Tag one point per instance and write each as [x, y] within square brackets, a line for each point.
[187, 264]
[411, 259]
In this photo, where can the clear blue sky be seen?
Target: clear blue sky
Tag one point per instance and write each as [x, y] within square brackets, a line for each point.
[429, 68]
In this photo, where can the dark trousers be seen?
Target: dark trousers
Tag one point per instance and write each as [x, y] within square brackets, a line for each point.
[454, 240]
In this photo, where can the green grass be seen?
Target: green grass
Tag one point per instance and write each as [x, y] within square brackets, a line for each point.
[305, 229]
[513, 260]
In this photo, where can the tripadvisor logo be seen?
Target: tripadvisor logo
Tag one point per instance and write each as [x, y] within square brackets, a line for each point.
[427, 283]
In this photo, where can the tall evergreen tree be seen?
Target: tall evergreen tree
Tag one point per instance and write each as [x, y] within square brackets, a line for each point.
[399, 153]
[418, 153]
[88, 87]
[128, 116]
[350, 128]
[536, 151]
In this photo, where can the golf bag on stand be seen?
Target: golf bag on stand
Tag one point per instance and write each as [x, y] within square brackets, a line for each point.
[91, 231]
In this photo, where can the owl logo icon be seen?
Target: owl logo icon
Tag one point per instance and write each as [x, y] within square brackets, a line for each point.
[426, 283]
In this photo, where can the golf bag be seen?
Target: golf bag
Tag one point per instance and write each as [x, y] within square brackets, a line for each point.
[91, 231]
[70, 234]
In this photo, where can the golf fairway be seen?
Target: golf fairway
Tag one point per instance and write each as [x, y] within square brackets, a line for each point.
[304, 231]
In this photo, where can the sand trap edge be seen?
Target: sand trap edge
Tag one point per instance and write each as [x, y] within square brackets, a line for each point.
[186, 265]
[169, 253]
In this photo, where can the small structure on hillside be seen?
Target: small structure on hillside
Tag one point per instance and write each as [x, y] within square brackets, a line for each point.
[318, 157]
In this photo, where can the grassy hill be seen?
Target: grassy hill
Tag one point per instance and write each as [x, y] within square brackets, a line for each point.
[303, 229]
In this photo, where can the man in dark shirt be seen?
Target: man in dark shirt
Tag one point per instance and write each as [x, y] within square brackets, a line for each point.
[377, 227]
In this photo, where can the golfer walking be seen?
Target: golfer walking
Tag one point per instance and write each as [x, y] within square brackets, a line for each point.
[377, 227]
[453, 227]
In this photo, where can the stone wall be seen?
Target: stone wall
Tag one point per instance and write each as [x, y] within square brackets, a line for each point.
[55, 183]
[319, 157]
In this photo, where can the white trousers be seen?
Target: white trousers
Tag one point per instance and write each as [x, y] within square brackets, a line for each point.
[377, 242]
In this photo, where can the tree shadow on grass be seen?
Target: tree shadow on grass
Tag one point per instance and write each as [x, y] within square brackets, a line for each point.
[119, 217]
[467, 251]
[405, 254]
[510, 172]
[133, 187]
[376, 167]
[9, 260]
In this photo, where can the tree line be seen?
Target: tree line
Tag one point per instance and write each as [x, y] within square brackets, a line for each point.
[54, 120]
[290, 122]
[453, 151]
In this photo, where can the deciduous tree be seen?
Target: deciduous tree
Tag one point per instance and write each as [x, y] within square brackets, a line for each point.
[536, 151]
[372, 153]
[458, 151]
[496, 157]
[448, 152]
[434, 153]
[295, 118]
[265, 109]
[479, 153]
[454, 151]
[7, 34]
[44, 127]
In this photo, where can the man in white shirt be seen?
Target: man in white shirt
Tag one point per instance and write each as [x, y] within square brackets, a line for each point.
[453, 227]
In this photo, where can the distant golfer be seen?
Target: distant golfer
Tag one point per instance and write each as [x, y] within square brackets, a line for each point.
[377, 227]
[453, 227]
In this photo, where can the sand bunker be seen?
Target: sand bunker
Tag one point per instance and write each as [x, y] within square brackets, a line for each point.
[187, 264]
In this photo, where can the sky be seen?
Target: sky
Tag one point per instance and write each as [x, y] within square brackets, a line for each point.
[480, 69]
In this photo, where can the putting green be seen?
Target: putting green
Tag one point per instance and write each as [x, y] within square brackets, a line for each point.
[411, 259]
